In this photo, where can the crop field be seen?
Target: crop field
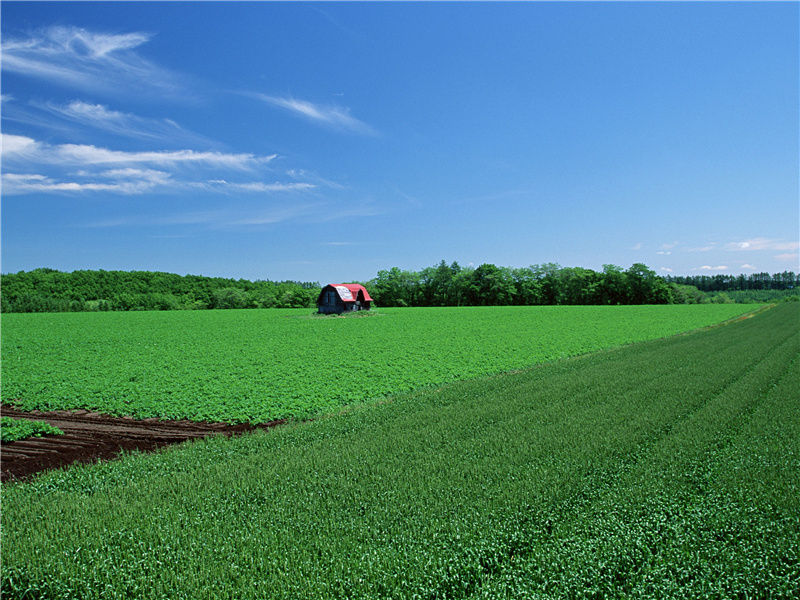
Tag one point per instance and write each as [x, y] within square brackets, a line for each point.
[260, 365]
[665, 469]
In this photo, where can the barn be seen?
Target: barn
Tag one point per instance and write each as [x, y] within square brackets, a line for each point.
[343, 297]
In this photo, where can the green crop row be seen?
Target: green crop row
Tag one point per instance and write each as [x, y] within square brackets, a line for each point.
[261, 365]
[666, 469]
[12, 430]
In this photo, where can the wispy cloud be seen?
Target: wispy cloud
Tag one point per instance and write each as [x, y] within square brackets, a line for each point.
[761, 243]
[260, 186]
[664, 252]
[187, 218]
[747, 266]
[215, 219]
[20, 183]
[17, 149]
[788, 256]
[710, 268]
[232, 218]
[666, 269]
[336, 117]
[88, 60]
[366, 209]
[99, 116]
[637, 246]
[313, 177]
[131, 181]
[706, 248]
[33, 166]
[669, 246]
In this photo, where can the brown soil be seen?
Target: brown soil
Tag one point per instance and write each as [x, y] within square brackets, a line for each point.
[89, 437]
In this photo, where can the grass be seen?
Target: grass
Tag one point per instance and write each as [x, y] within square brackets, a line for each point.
[260, 365]
[12, 430]
[665, 469]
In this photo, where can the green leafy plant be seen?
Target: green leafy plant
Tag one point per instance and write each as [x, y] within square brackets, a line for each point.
[12, 430]
[258, 365]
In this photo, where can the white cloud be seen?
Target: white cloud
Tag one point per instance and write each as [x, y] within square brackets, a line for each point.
[669, 246]
[666, 269]
[229, 218]
[761, 243]
[133, 181]
[310, 176]
[20, 149]
[16, 145]
[337, 117]
[101, 117]
[82, 154]
[710, 268]
[747, 266]
[18, 183]
[711, 246]
[260, 186]
[131, 173]
[789, 256]
[664, 252]
[88, 60]
[23, 177]
[33, 166]
[637, 246]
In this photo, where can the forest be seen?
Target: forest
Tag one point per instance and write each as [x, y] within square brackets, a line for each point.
[49, 290]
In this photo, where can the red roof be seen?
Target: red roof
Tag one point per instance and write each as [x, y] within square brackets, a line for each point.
[348, 292]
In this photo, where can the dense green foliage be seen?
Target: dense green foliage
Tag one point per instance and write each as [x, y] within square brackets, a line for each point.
[47, 290]
[667, 469]
[754, 296]
[12, 430]
[787, 280]
[490, 285]
[262, 365]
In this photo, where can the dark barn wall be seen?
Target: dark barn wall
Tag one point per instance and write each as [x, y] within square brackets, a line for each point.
[330, 302]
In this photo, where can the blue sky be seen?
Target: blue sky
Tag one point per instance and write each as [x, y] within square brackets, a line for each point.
[326, 141]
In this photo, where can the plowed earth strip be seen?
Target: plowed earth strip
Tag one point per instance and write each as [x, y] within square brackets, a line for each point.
[89, 437]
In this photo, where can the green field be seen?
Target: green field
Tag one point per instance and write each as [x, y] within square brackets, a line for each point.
[259, 365]
[665, 469]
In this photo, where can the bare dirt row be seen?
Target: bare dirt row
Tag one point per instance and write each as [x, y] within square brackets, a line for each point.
[89, 437]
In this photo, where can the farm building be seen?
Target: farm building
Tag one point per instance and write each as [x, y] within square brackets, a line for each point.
[343, 297]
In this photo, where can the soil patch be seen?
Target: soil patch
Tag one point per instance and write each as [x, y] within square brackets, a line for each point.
[89, 437]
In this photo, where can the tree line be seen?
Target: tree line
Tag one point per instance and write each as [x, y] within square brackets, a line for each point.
[48, 290]
[738, 283]
[488, 284]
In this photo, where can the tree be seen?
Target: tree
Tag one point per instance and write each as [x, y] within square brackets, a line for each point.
[492, 286]
[228, 298]
[645, 287]
[395, 287]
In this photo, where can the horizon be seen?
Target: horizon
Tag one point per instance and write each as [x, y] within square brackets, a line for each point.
[325, 142]
[367, 280]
